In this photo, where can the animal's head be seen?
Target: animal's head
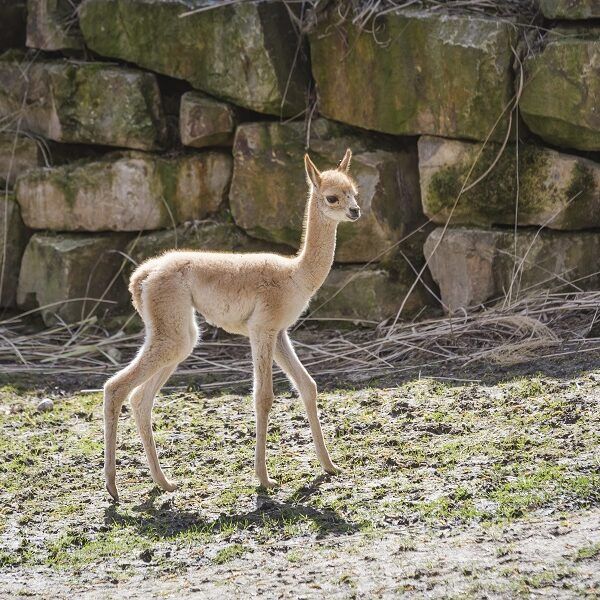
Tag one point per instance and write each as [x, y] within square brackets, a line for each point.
[334, 190]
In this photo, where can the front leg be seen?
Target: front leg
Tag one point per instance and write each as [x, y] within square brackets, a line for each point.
[262, 343]
[290, 364]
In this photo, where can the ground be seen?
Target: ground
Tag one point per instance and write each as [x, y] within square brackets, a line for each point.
[470, 489]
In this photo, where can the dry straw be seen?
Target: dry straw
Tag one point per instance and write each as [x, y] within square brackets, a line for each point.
[541, 325]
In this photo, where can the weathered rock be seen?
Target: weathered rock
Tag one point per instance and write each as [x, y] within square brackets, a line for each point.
[13, 19]
[53, 25]
[561, 96]
[570, 9]
[204, 121]
[473, 266]
[45, 405]
[59, 271]
[555, 190]
[367, 294]
[125, 192]
[422, 73]
[85, 103]
[206, 235]
[18, 154]
[13, 239]
[240, 52]
[268, 190]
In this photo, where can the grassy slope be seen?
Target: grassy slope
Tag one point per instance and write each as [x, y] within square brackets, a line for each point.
[419, 459]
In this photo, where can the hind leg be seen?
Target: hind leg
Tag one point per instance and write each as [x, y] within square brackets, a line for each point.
[151, 359]
[171, 335]
[142, 400]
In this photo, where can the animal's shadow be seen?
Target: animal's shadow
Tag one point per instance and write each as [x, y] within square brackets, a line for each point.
[163, 520]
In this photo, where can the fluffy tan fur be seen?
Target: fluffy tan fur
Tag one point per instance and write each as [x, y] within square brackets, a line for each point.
[256, 295]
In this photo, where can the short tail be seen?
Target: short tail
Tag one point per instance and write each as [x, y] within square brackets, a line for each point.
[135, 285]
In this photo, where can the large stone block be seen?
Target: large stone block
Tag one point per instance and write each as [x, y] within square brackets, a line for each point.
[473, 266]
[13, 19]
[84, 103]
[70, 276]
[367, 294]
[53, 25]
[570, 9]
[555, 190]
[244, 52]
[268, 190]
[420, 73]
[561, 96]
[125, 192]
[204, 121]
[213, 236]
[13, 238]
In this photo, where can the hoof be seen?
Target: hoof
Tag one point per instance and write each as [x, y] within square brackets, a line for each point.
[332, 469]
[168, 486]
[268, 484]
[111, 488]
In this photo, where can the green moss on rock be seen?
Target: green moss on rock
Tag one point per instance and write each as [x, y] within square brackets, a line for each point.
[240, 52]
[562, 93]
[84, 103]
[537, 185]
[421, 73]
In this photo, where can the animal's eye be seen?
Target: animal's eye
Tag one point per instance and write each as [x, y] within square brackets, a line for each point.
[331, 199]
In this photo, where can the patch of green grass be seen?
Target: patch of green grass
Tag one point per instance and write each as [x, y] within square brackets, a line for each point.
[543, 579]
[587, 552]
[527, 387]
[294, 555]
[74, 549]
[230, 553]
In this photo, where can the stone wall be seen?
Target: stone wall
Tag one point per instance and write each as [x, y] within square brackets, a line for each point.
[128, 128]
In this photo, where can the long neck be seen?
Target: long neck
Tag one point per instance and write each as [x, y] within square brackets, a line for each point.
[317, 250]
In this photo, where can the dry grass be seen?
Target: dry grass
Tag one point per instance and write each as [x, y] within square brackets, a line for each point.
[364, 13]
[543, 325]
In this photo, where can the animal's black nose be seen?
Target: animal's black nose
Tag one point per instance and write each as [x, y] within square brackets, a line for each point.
[355, 213]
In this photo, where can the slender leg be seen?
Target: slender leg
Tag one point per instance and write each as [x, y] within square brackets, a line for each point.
[170, 340]
[262, 358]
[116, 390]
[288, 361]
[142, 400]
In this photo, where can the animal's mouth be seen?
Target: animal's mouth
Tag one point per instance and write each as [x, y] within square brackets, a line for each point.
[353, 217]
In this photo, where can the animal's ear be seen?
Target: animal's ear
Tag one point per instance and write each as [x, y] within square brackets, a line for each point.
[345, 163]
[313, 174]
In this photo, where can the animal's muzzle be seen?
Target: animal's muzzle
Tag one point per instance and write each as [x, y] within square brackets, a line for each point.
[354, 213]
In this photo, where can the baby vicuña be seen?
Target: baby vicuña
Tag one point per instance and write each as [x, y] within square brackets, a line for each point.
[256, 295]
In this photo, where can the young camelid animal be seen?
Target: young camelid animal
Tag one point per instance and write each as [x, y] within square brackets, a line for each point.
[256, 295]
